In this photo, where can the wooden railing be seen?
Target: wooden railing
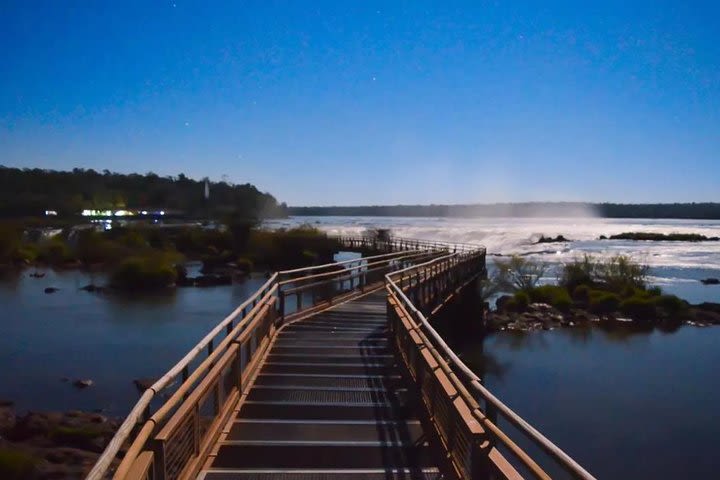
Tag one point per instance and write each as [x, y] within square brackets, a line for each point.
[464, 414]
[194, 398]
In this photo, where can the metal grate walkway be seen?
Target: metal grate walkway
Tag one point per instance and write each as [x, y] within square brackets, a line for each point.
[329, 403]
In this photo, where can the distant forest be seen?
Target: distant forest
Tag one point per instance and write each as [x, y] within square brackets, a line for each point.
[29, 192]
[704, 211]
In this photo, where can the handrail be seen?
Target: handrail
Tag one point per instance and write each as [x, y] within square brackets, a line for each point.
[449, 246]
[140, 413]
[245, 343]
[399, 255]
[538, 438]
[344, 262]
[143, 404]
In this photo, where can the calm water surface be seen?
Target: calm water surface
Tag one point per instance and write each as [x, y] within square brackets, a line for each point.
[641, 405]
[625, 405]
[109, 339]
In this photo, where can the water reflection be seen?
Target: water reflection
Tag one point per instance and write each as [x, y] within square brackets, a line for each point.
[599, 389]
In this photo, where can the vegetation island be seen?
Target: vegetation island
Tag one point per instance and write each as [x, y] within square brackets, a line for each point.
[588, 291]
[62, 220]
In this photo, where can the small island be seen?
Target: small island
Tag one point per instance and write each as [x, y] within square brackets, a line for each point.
[589, 291]
[661, 237]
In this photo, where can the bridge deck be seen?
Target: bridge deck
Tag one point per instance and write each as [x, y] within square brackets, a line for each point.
[330, 402]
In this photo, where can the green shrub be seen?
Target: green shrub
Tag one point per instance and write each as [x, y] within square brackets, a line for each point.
[615, 274]
[655, 291]
[244, 264]
[581, 294]
[603, 302]
[578, 272]
[17, 465]
[639, 307]
[75, 435]
[144, 273]
[25, 254]
[620, 272]
[297, 247]
[94, 247]
[133, 239]
[554, 295]
[211, 262]
[54, 251]
[10, 239]
[519, 302]
[670, 303]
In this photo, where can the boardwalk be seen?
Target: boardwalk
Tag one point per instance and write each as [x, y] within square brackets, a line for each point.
[333, 372]
[330, 402]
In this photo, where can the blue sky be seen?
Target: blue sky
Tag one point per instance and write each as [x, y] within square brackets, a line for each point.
[343, 103]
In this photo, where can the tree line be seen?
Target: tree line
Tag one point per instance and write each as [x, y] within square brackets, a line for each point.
[705, 211]
[29, 192]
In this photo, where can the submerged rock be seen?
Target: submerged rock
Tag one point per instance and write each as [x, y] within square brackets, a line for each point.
[83, 383]
[558, 239]
[92, 288]
[213, 280]
[7, 417]
[51, 289]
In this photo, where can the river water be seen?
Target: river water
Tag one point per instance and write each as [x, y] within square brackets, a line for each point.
[625, 404]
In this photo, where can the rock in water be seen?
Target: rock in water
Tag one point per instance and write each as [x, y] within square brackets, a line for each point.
[7, 417]
[92, 288]
[51, 289]
[711, 281]
[83, 383]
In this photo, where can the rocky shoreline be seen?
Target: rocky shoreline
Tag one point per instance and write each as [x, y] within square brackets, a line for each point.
[541, 316]
[51, 445]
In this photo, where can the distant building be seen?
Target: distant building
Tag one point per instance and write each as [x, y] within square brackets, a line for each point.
[130, 213]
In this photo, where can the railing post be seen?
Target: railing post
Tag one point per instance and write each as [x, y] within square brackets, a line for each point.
[159, 453]
[185, 375]
[281, 296]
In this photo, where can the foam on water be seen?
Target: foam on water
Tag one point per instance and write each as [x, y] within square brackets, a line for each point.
[676, 265]
[507, 236]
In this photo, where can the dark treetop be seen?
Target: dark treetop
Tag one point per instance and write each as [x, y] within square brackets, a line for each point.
[29, 192]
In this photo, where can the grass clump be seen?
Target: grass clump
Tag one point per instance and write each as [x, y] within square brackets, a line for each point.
[17, 465]
[553, 295]
[54, 251]
[81, 437]
[285, 249]
[639, 307]
[144, 273]
[244, 264]
[519, 302]
[671, 304]
[603, 302]
[614, 274]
